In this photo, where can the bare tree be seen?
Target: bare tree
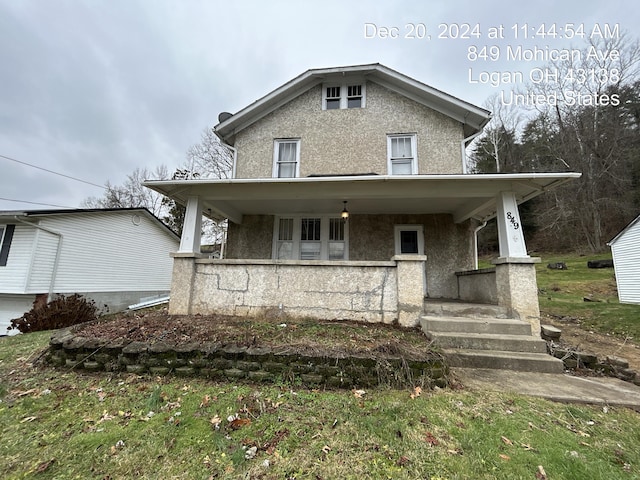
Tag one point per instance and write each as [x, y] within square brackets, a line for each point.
[591, 135]
[496, 145]
[209, 158]
[131, 194]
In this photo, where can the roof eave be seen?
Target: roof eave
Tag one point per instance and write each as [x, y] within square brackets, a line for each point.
[472, 117]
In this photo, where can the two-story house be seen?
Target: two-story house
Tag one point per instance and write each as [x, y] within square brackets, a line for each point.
[350, 199]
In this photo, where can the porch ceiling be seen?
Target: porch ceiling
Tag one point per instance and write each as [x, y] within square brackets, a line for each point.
[463, 196]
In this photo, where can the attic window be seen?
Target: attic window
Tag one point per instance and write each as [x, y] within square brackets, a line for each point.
[354, 96]
[333, 98]
[343, 96]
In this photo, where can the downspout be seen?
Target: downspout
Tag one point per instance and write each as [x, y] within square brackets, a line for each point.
[58, 250]
[475, 243]
[233, 175]
[235, 157]
[463, 147]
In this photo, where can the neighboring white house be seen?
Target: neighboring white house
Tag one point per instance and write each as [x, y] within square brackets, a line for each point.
[115, 257]
[626, 261]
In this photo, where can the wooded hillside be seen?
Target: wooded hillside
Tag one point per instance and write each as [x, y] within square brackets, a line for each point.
[598, 137]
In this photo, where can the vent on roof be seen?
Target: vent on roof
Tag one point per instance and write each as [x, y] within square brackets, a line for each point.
[224, 116]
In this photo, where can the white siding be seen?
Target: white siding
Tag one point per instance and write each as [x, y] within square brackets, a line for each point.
[13, 306]
[626, 257]
[13, 276]
[110, 251]
[44, 256]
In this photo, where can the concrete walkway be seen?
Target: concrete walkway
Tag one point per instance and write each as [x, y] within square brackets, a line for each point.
[556, 387]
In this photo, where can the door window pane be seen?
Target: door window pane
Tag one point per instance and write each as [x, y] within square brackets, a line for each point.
[284, 248]
[408, 241]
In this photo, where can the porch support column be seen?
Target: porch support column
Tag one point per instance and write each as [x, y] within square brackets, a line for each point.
[182, 283]
[510, 234]
[192, 228]
[516, 285]
[411, 288]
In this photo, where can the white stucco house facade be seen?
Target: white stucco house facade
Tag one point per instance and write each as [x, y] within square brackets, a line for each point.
[350, 199]
[115, 257]
[625, 248]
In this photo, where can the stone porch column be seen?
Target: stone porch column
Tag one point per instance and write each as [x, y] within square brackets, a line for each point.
[516, 284]
[411, 288]
[182, 283]
[517, 289]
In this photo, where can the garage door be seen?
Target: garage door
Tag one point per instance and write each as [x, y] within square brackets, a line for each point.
[13, 306]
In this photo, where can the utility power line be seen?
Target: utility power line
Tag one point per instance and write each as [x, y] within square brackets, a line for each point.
[51, 171]
[34, 203]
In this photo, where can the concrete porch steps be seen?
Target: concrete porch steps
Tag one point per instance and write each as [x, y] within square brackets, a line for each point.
[496, 359]
[498, 326]
[462, 309]
[479, 340]
[489, 341]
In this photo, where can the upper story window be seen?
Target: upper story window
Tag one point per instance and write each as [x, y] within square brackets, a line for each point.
[354, 96]
[286, 158]
[332, 100]
[402, 154]
[346, 95]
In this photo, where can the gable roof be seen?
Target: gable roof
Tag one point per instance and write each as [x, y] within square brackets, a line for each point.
[8, 215]
[624, 230]
[472, 117]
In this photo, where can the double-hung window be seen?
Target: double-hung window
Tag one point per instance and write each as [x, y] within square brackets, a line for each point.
[332, 100]
[402, 155]
[354, 96]
[286, 158]
[310, 238]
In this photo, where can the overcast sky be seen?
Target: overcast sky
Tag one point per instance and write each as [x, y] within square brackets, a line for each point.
[95, 89]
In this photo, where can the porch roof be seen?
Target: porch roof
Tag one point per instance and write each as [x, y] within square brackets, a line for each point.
[463, 196]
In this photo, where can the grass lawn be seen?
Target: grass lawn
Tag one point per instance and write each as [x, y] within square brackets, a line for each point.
[63, 424]
[562, 293]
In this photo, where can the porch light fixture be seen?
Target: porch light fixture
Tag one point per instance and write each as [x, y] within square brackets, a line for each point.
[345, 212]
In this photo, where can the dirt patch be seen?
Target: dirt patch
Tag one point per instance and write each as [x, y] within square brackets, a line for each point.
[305, 336]
[588, 341]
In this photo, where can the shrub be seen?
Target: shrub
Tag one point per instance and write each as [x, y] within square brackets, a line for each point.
[60, 312]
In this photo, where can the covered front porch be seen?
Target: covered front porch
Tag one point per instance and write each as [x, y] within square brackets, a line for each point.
[378, 279]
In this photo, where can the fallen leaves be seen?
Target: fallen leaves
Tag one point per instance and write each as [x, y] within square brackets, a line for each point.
[431, 440]
[358, 393]
[270, 446]
[417, 391]
[238, 423]
[541, 474]
[215, 422]
[43, 467]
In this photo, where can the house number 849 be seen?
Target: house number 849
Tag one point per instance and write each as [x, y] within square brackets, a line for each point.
[512, 219]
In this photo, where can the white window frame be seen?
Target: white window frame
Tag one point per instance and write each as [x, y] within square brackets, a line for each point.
[414, 151]
[397, 229]
[297, 234]
[344, 92]
[276, 151]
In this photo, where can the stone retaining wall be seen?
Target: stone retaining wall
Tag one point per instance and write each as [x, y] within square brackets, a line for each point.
[233, 363]
[610, 366]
